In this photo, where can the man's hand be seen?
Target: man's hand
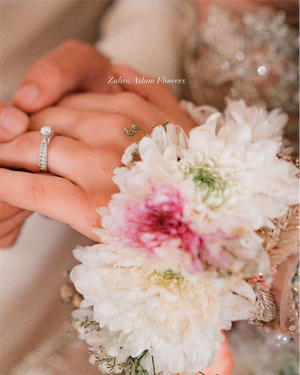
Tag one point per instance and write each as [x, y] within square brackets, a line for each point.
[73, 66]
[13, 122]
[11, 221]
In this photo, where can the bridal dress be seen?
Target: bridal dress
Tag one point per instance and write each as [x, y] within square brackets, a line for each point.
[146, 35]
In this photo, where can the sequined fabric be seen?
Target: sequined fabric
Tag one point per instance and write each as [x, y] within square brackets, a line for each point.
[255, 58]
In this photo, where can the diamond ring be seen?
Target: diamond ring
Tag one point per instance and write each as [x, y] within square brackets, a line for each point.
[47, 134]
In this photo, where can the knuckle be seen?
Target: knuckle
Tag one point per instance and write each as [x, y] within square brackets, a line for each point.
[41, 118]
[51, 70]
[7, 227]
[35, 192]
[105, 159]
[130, 99]
[8, 239]
[85, 118]
[7, 211]
[24, 143]
[115, 119]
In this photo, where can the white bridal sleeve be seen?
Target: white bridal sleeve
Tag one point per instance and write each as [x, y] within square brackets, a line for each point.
[144, 35]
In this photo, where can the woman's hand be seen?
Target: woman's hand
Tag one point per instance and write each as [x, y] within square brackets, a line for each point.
[88, 145]
[224, 364]
[13, 122]
[70, 67]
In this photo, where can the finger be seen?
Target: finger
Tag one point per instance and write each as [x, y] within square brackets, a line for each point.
[64, 157]
[224, 363]
[72, 66]
[10, 238]
[67, 157]
[13, 122]
[66, 121]
[155, 92]
[128, 104]
[14, 222]
[51, 196]
[86, 126]
[7, 211]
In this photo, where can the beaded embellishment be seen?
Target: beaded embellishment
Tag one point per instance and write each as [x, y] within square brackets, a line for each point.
[255, 59]
[265, 314]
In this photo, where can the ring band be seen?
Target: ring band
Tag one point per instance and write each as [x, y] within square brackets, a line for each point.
[47, 134]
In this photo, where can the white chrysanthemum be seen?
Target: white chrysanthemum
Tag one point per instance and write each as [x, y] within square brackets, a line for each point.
[232, 174]
[143, 306]
[265, 125]
[199, 114]
[159, 154]
[130, 153]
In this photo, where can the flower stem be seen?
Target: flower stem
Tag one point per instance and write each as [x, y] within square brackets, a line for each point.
[153, 365]
[138, 362]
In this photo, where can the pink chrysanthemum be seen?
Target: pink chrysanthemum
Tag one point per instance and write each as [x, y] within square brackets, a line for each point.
[158, 219]
[150, 222]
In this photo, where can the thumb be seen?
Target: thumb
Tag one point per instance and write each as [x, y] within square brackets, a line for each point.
[73, 66]
[13, 122]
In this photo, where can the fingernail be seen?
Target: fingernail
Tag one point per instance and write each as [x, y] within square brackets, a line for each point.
[12, 120]
[28, 93]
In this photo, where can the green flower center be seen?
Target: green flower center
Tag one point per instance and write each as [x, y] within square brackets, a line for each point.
[208, 181]
[167, 279]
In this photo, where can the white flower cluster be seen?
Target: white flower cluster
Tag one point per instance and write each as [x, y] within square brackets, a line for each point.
[235, 170]
[142, 306]
[179, 242]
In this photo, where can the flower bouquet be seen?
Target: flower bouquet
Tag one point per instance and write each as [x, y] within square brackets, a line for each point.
[182, 253]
